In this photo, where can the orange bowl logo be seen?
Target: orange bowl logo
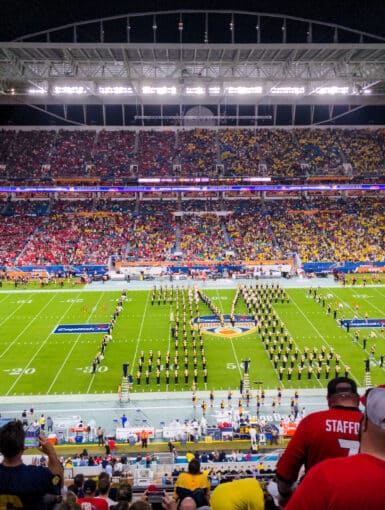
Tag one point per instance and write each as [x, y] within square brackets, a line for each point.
[239, 325]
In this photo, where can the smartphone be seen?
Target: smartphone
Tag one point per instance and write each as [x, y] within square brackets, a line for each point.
[155, 496]
[32, 437]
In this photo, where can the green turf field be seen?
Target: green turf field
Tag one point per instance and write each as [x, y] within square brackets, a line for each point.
[33, 360]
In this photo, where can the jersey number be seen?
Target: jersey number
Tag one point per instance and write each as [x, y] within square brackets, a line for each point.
[352, 446]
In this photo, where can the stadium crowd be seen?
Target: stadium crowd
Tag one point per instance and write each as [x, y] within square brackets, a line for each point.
[90, 231]
[39, 154]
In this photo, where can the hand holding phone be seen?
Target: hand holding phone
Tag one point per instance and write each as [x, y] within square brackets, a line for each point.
[155, 496]
[32, 437]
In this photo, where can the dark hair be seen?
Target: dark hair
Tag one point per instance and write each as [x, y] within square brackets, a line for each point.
[141, 505]
[12, 438]
[349, 386]
[69, 502]
[104, 485]
[79, 480]
[121, 505]
[194, 467]
[124, 492]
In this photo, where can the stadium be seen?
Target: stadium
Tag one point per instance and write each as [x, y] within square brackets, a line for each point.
[192, 214]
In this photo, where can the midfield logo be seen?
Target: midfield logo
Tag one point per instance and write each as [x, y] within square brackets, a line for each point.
[239, 325]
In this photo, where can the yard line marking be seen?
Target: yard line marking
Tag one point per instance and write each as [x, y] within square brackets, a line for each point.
[73, 347]
[12, 314]
[345, 303]
[41, 345]
[315, 329]
[354, 313]
[140, 329]
[236, 357]
[378, 290]
[169, 329]
[373, 306]
[5, 297]
[231, 340]
[26, 327]
[370, 304]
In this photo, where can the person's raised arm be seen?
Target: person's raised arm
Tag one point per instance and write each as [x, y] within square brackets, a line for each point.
[53, 462]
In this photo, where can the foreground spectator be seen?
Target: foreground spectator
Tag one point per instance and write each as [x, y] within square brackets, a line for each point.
[23, 486]
[140, 505]
[77, 486]
[356, 482]
[90, 498]
[322, 435]
[193, 484]
[69, 502]
[104, 486]
[245, 494]
[123, 496]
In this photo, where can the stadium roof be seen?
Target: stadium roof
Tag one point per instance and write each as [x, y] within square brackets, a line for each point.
[190, 58]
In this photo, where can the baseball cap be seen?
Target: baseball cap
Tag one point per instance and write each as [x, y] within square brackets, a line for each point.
[375, 406]
[89, 486]
[152, 488]
[341, 385]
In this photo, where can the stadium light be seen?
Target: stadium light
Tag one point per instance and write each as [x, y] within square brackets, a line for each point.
[70, 90]
[115, 90]
[195, 91]
[241, 90]
[214, 91]
[331, 91]
[287, 90]
[161, 91]
[37, 92]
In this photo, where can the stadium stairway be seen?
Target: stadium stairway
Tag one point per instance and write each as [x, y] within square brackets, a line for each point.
[246, 384]
[125, 391]
[225, 233]
[368, 380]
[177, 237]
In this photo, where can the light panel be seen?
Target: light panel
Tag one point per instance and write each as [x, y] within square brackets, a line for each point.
[287, 90]
[114, 90]
[332, 91]
[160, 91]
[243, 90]
[195, 91]
[70, 90]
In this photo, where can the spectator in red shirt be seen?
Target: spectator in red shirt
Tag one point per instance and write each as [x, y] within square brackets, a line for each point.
[111, 444]
[322, 435]
[356, 482]
[89, 499]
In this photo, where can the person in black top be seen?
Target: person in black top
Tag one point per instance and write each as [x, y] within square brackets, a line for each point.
[23, 486]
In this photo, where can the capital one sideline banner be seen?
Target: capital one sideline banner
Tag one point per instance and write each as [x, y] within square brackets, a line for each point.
[81, 328]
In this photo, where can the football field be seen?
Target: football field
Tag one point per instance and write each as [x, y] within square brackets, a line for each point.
[37, 359]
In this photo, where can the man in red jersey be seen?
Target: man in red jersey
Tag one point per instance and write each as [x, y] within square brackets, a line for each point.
[90, 501]
[354, 483]
[322, 435]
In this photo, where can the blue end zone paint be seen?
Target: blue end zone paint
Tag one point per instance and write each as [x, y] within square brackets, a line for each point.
[364, 323]
[82, 328]
[243, 325]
